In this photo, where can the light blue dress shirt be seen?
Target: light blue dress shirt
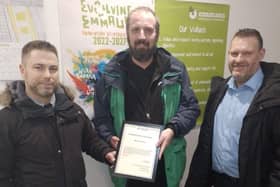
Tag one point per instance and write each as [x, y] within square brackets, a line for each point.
[228, 122]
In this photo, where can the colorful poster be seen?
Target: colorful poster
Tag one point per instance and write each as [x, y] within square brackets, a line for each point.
[92, 31]
[196, 35]
[20, 22]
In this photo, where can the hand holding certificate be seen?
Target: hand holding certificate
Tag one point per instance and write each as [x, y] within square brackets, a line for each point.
[138, 152]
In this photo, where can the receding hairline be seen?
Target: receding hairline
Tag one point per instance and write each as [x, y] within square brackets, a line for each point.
[143, 9]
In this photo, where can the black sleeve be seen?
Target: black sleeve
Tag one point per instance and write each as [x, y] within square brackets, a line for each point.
[92, 143]
[188, 110]
[274, 173]
[7, 153]
[200, 167]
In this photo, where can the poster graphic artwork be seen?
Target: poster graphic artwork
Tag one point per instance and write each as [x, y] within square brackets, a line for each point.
[20, 22]
[92, 31]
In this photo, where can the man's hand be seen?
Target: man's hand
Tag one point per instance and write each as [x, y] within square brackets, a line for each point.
[164, 140]
[111, 157]
[114, 142]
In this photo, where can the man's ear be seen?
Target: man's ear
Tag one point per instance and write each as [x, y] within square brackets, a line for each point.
[262, 53]
[21, 69]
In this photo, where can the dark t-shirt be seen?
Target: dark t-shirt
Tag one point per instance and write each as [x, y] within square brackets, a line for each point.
[142, 95]
[138, 87]
[140, 77]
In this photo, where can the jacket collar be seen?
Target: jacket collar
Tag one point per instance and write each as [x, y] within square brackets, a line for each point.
[268, 94]
[15, 95]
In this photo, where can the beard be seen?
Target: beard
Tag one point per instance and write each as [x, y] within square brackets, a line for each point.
[43, 92]
[142, 54]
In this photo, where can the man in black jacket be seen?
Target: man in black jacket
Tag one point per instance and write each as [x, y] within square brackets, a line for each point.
[42, 131]
[239, 141]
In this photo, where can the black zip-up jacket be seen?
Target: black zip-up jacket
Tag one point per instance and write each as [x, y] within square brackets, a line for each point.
[42, 146]
[259, 144]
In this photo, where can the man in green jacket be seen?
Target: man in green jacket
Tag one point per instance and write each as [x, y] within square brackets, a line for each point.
[147, 84]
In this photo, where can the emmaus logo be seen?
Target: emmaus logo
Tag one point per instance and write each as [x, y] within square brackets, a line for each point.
[195, 14]
[192, 13]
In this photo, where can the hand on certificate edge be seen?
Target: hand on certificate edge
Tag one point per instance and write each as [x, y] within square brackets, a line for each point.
[111, 157]
[114, 142]
[164, 140]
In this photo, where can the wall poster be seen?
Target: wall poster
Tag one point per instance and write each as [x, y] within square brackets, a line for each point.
[20, 22]
[92, 31]
[196, 35]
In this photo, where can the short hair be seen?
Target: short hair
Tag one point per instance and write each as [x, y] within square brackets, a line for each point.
[39, 45]
[144, 9]
[249, 32]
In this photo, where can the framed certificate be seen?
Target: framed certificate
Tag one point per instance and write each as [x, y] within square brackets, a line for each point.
[137, 155]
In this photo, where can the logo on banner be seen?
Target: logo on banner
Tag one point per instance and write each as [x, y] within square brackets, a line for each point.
[206, 15]
[192, 13]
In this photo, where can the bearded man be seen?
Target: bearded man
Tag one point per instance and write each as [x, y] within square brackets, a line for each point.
[147, 84]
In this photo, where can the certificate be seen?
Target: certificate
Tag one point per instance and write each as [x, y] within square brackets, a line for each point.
[137, 155]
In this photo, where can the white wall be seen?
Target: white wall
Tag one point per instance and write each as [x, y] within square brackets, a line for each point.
[259, 14]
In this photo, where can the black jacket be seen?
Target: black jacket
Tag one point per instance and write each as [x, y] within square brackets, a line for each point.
[42, 146]
[259, 145]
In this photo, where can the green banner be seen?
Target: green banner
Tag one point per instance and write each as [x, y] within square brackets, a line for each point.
[196, 34]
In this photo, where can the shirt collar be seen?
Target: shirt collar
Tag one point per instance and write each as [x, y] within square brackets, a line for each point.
[52, 101]
[253, 83]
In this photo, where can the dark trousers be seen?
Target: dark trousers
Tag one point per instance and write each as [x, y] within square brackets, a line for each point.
[159, 182]
[223, 180]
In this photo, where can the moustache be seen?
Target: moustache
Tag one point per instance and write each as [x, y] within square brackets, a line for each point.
[238, 65]
[141, 42]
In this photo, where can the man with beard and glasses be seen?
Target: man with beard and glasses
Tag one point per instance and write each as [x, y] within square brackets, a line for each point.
[239, 141]
[42, 131]
[147, 84]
